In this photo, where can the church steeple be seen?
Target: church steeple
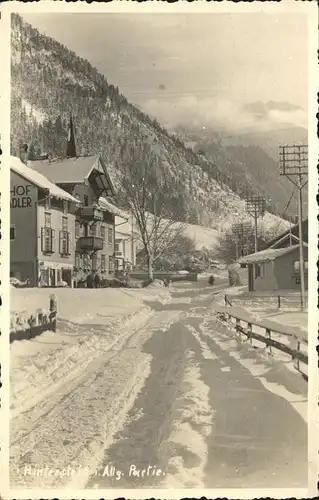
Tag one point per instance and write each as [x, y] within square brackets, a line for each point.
[71, 148]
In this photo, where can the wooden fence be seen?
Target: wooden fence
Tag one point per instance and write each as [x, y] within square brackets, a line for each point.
[35, 324]
[278, 299]
[244, 324]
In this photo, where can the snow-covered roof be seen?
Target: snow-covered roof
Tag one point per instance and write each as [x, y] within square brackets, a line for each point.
[105, 204]
[65, 170]
[286, 238]
[72, 170]
[36, 178]
[294, 230]
[121, 235]
[267, 255]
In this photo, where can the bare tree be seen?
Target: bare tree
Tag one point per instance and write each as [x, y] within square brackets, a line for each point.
[237, 241]
[144, 189]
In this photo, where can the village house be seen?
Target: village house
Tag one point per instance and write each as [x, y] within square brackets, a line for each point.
[86, 178]
[125, 244]
[42, 222]
[275, 269]
[289, 236]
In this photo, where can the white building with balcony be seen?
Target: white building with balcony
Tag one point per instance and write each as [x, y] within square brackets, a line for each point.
[125, 244]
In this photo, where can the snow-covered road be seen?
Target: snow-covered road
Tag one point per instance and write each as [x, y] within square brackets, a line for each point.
[174, 402]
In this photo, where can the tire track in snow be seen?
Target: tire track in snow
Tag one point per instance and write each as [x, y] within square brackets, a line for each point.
[51, 372]
[83, 423]
[26, 421]
[138, 441]
[186, 447]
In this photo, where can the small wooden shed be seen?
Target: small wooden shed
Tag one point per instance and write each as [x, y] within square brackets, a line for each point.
[275, 269]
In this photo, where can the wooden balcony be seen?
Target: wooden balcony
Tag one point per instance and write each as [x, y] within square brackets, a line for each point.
[90, 213]
[89, 243]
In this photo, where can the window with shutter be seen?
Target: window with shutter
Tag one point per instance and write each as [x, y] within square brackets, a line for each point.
[69, 244]
[103, 263]
[77, 230]
[111, 264]
[47, 240]
[77, 261]
[43, 230]
[47, 219]
[52, 242]
[64, 243]
[64, 223]
[94, 263]
[110, 235]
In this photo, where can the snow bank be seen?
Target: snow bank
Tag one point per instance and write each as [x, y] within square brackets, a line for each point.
[260, 364]
[76, 305]
[56, 431]
[90, 321]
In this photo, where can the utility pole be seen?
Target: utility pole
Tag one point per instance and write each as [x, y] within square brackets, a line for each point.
[255, 206]
[132, 242]
[240, 230]
[290, 235]
[293, 164]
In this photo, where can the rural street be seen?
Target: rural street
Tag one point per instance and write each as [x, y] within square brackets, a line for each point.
[177, 398]
[202, 418]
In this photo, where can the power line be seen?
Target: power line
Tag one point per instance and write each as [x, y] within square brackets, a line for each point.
[286, 208]
[256, 207]
[293, 164]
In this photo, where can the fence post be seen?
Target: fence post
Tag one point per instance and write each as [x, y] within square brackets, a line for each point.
[250, 331]
[238, 327]
[53, 311]
[297, 360]
[279, 304]
[268, 335]
[293, 345]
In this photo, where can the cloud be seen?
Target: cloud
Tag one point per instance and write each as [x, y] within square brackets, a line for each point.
[296, 117]
[219, 113]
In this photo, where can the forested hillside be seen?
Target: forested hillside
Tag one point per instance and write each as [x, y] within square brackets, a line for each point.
[49, 82]
[247, 157]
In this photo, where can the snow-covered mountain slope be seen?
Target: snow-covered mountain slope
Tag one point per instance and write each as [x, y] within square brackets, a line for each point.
[49, 81]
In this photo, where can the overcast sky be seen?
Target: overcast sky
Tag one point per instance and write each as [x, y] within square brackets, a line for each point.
[200, 67]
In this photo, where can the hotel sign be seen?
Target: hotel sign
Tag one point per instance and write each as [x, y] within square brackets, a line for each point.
[21, 196]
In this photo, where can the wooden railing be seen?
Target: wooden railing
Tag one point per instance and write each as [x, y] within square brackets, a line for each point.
[34, 324]
[244, 324]
[279, 299]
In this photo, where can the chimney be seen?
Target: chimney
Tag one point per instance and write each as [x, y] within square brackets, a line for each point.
[71, 149]
[24, 153]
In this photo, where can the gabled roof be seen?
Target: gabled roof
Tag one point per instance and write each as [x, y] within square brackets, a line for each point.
[71, 170]
[38, 179]
[286, 238]
[267, 255]
[294, 230]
